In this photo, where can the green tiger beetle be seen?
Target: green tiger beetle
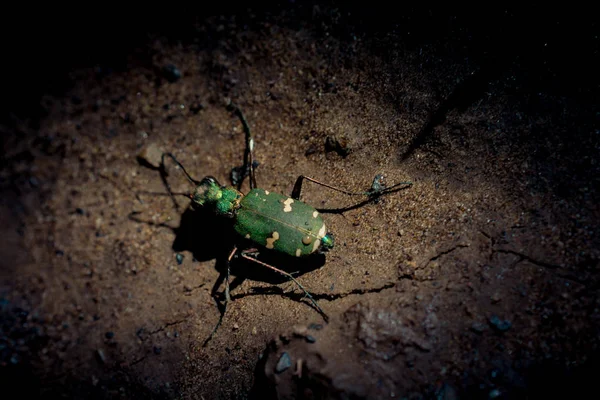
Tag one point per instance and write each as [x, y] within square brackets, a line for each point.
[270, 221]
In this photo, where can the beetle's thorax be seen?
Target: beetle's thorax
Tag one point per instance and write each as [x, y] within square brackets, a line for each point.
[223, 200]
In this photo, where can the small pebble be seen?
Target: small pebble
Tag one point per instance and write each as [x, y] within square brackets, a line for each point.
[195, 107]
[151, 154]
[500, 325]
[284, 363]
[477, 327]
[100, 355]
[339, 145]
[312, 149]
[300, 330]
[171, 73]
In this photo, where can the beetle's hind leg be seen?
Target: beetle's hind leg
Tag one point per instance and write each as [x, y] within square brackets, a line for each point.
[249, 164]
[246, 255]
[227, 297]
[375, 191]
[298, 187]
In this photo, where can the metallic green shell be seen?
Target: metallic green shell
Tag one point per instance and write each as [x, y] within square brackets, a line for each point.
[279, 222]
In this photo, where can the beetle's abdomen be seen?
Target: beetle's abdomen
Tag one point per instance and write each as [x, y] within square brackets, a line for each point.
[280, 223]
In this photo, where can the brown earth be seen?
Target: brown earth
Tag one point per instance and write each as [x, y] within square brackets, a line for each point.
[480, 280]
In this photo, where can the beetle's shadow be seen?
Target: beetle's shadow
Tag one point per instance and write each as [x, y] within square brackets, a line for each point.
[208, 236]
[203, 234]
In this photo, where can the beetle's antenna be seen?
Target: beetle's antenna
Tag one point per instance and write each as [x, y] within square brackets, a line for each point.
[163, 175]
[162, 161]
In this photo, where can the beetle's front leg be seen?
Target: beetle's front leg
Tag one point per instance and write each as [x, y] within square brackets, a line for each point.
[249, 163]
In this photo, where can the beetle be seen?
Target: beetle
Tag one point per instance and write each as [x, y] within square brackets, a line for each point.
[268, 220]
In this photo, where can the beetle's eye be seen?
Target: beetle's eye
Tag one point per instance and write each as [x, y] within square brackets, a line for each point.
[208, 191]
[209, 181]
[206, 183]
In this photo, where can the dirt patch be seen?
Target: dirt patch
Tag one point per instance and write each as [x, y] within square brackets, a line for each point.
[479, 279]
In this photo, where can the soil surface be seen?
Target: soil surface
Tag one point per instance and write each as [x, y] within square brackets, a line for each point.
[479, 280]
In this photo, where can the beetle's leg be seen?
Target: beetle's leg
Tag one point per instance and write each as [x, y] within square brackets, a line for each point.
[371, 193]
[298, 187]
[193, 181]
[288, 275]
[227, 297]
[248, 166]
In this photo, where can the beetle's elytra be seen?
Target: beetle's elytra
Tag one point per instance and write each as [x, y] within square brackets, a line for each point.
[281, 223]
[268, 219]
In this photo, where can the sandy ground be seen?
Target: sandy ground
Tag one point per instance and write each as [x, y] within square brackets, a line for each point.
[480, 280]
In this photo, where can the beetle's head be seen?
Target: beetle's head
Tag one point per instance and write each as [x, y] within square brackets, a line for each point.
[222, 200]
[207, 192]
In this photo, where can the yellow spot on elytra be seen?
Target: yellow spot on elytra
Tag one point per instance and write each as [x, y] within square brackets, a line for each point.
[306, 240]
[316, 245]
[247, 236]
[322, 232]
[298, 252]
[288, 205]
[315, 214]
[267, 192]
[271, 240]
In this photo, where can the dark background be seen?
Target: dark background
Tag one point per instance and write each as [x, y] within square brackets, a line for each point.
[552, 55]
